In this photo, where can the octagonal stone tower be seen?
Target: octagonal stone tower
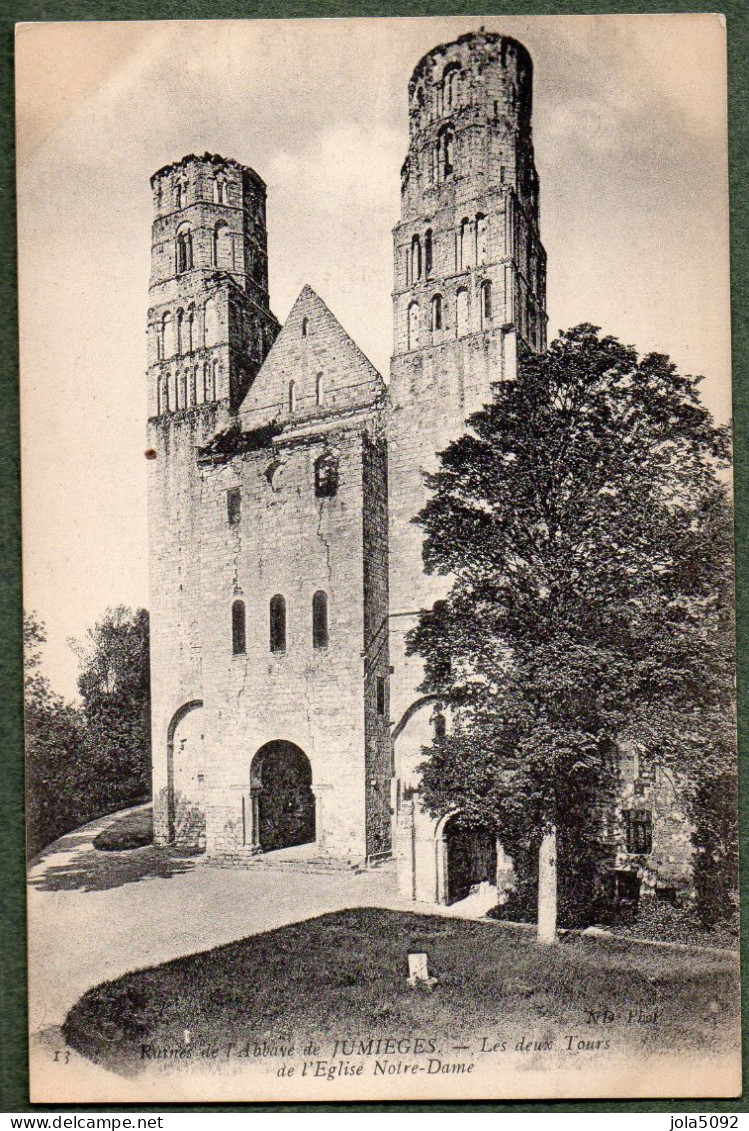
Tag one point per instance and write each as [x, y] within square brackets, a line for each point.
[470, 283]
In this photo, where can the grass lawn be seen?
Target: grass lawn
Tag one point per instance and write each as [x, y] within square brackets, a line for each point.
[132, 830]
[344, 975]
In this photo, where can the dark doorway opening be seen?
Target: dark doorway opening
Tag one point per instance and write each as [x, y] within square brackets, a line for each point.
[281, 781]
[471, 859]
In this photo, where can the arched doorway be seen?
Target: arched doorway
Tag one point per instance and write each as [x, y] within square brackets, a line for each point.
[471, 858]
[283, 804]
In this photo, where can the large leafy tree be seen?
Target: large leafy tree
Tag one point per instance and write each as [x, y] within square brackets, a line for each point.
[54, 737]
[82, 761]
[114, 684]
[585, 528]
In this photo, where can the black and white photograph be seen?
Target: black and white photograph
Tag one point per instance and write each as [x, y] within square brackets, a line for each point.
[378, 559]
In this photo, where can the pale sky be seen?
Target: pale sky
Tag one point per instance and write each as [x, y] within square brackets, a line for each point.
[630, 140]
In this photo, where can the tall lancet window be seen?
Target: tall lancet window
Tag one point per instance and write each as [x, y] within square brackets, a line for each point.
[238, 629]
[415, 259]
[320, 619]
[319, 389]
[428, 254]
[486, 304]
[292, 397]
[277, 624]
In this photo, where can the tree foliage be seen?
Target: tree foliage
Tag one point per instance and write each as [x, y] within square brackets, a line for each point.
[586, 533]
[82, 761]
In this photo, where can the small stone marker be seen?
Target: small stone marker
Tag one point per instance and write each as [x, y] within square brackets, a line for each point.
[418, 971]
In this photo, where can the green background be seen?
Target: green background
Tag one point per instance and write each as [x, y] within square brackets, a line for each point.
[13, 1047]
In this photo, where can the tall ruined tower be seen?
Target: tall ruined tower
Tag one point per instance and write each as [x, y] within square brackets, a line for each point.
[209, 330]
[470, 284]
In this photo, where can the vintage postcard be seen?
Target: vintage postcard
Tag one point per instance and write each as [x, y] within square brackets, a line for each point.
[378, 559]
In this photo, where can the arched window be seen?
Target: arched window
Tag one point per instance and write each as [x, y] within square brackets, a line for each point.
[167, 334]
[238, 629]
[466, 259]
[326, 476]
[219, 191]
[210, 323]
[180, 331]
[180, 195]
[462, 312]
[188, 341]
[305, 324]
[160, 341]
[428, 254]
[214, 380]
[164, 399]
[486, 304]
[481, 239]
[184, 250]
[176, 390]
[436, 309]
[413, 326]
[319, 389]
[277, 623]
[206, 381]
[450, 85]
[292, 397]
[320, 619]
[444, 154]
[415, 259]
[194, 387]
[183, 390]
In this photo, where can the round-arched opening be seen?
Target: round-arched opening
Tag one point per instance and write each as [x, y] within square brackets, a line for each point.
[283, 801]
[471, 859]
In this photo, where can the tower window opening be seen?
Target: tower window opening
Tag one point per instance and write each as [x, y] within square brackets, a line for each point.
[277, 623]
[238, 629]
[185, 379]
[466, 259]
[233, 506]
[380, 695]
[415, 259]
[193, 386]
[180, 195]
[164, 398]
[486, 304]
[320, 619]
[462, 312]
[160, 341]
[481, 238]
[219, 238]
[444, 153]
[184, 250]
[206, 382]
[214, 380]
[305, 325]
[326, 476]
[638, 827]
[436, 307]
[450, 87]
[219, 191]
[292, 397]
[413, 326]
[319, 389]
[428, 254]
